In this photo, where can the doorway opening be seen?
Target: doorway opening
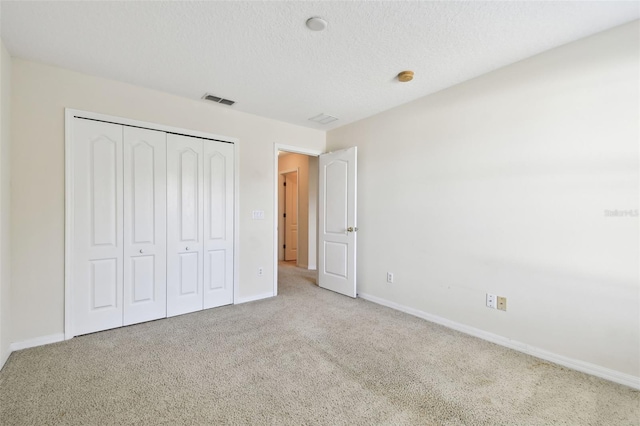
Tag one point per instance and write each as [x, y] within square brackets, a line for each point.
[326, 232]
[296, 208]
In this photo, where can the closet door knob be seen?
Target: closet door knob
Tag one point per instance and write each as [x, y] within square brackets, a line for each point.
[141, 251]
[187, 248]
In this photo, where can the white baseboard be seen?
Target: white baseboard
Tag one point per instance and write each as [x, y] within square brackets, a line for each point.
[574, 364]
[253, 298]
[38, 341]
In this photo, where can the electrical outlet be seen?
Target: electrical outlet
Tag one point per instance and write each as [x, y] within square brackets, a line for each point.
[260, 271]
[390, 277]
[502, 303]
[491, 301]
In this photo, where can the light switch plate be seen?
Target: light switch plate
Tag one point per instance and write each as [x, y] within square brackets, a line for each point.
[491, 301]
[257, 215]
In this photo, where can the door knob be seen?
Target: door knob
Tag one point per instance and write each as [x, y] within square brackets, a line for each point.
[141, 251]
[352, 229]
[187, 248]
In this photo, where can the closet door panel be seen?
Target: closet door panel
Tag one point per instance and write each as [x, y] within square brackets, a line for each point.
[189, 276]
[144, 225]
[218, 223]
[185, 224]
[104, 284]
[98, 221]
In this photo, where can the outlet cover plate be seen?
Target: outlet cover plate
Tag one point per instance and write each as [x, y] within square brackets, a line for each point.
[502, 303]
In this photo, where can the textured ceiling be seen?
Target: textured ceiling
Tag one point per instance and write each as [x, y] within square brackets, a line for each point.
[261, 55]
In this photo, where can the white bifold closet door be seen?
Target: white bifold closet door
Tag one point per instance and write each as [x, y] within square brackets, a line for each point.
[200, 224]
[119, 225]
[218, 224]
[153, 225]
[185, 224]
[145, 225]
[98, 226]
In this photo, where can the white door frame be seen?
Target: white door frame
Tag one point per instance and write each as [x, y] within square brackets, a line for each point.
[296, 150]
[69, 115]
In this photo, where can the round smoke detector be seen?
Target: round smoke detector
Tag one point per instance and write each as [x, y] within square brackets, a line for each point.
[316, 24]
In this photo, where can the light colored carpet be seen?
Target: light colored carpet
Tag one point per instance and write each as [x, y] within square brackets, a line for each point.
[308, 356]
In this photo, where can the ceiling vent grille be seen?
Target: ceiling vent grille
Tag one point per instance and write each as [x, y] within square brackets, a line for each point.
[217, 99]
[323, 119]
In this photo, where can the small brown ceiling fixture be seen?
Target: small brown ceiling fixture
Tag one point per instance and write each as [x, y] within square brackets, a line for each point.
[405, 76]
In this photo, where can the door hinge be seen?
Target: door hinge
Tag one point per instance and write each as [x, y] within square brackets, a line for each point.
[284, 246]
[284, 183]
[284, 215]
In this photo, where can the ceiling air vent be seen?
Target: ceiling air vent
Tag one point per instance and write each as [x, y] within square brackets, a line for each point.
[217, 99]
[323, 119]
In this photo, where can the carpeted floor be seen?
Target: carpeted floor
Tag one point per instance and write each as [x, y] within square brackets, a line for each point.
[308, 356]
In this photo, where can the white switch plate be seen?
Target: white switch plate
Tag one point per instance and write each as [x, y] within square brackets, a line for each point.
[257, 215]
[390, 277]
[492, 301]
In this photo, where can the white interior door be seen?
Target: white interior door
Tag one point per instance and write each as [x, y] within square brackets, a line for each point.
[291, 216]
[338, 227]
[184, 224]
[218, 223]
[97, 223]
[145, 281]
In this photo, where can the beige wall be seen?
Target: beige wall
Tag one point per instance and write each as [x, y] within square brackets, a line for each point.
[500, 185]
[289, 162]
[5, 207]
[40, 94]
